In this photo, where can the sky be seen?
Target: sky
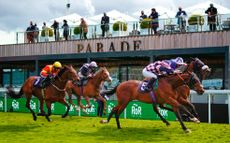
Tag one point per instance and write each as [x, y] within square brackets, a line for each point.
[15, 15]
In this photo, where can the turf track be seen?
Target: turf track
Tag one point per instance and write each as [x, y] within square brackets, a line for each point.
[19, 127]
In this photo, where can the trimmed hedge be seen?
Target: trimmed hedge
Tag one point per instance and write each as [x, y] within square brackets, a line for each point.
[196, 20]
[51, 32]
[146, 23]
[77, 30]
[118, 26]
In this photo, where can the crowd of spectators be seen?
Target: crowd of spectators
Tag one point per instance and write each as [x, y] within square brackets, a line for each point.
[32, 32]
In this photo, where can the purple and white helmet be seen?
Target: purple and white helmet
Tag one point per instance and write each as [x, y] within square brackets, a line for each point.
[178, 60]
[93, 64]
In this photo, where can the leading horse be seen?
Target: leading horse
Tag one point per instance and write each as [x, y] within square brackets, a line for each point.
[164, 94]
[90, 90]
[55, 92]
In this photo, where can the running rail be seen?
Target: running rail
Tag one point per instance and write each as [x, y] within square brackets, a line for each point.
[210, 94]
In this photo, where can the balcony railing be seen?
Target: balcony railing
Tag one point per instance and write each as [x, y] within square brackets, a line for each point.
[166, 26]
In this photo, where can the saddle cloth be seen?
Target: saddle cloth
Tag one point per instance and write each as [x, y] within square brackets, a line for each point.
[144, 84]
[37, 82]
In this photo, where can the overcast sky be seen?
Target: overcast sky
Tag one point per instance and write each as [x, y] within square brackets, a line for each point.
[16, 14]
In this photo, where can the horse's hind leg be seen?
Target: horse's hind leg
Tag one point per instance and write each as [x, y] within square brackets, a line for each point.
[155, 108]
[28, 106]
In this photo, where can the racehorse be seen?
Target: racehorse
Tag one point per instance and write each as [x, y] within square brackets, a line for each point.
[54, 92]
[164, 94]
[202, 70]
[90, 90]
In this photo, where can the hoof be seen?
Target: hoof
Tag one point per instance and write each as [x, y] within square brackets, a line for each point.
[187, 131]
[35, 118]
[195, 120]
[63, 116]
[103, 121]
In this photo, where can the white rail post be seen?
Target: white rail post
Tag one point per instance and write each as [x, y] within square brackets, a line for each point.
[209, 108]
[5, 98]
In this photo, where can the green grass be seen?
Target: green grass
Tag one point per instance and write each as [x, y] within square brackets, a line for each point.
[19, 127]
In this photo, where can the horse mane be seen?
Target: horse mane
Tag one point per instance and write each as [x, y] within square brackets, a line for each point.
[62, 70]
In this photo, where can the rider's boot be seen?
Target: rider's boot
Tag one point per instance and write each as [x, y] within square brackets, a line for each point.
[45, 82]
[149, 86]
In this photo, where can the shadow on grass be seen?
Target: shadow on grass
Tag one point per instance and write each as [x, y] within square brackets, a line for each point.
[132, 134]
[17, 128]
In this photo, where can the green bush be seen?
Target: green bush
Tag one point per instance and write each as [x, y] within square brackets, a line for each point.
[118, 26]
[146, 23]
[77, 30]
[51, 33]
[196, 20]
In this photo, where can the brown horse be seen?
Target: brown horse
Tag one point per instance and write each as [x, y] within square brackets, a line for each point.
[90, 90]
[164, 94]
[55, 92]
[202, 70]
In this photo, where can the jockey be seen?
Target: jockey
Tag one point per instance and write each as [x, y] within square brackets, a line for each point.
[49, 72]
[87, 70]
[153, 70]
[176, 64]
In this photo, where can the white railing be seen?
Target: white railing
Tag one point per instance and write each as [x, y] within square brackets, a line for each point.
[212, 93]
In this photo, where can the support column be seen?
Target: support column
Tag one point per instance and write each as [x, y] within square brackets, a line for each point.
[227, 70]
[36, 67]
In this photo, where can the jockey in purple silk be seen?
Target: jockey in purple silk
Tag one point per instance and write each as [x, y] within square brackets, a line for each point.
[153, 70]
[176, 64]
[87, 70]
[164, 67]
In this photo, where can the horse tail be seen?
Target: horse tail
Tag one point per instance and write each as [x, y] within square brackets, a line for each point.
[10, 92]
[110, 92]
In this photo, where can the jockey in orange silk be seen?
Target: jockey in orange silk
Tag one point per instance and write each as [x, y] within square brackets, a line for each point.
[49, 72]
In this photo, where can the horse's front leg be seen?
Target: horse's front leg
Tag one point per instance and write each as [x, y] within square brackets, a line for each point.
[63, 101]
[48, 106]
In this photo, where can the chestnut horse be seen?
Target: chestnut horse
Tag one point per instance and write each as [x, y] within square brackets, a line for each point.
[164, 94]
[202, 70]
[90, 90]
[55, 92]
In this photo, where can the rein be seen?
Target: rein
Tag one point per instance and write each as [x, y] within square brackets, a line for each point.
[63, 90]
[187, 83]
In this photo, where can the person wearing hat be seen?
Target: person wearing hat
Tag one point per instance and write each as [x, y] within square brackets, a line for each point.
[212, 17]
[49, 72]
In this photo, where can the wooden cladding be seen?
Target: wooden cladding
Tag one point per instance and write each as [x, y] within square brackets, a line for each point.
[130, 43]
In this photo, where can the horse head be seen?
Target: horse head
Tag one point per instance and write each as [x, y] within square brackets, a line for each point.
[197, 66]
[194, 83]
[103, 74]
[67, 73]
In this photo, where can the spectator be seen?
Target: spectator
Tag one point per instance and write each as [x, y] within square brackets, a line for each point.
[181, 14]
[212, 16]
[143, 16]
[84, 28]
[46, 31]
[105, 25]
[65, 27]
[55, 26]
[154, 16]
[30, 33]
[36, 33]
